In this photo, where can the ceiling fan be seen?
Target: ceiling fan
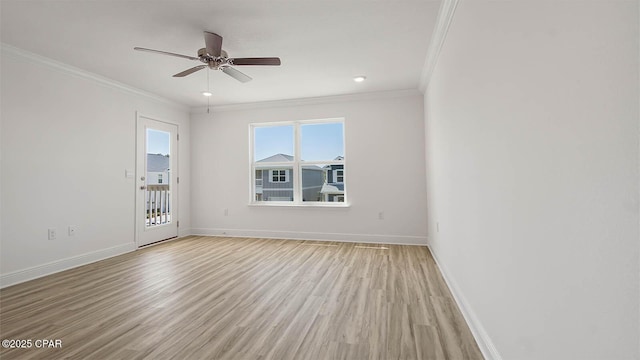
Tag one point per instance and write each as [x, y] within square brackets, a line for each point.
[215, 58]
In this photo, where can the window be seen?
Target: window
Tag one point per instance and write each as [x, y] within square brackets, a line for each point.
[258, 177]
[159, 178]
[279, 176]
[298, 162]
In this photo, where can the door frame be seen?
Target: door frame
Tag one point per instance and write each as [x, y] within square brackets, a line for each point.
[139, 225]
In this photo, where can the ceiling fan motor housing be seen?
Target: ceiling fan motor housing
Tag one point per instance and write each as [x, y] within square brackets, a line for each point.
[213, 61]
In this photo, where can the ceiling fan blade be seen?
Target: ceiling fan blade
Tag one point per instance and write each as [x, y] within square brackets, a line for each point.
[190, 71]
[255, 61]
[165, 53]
[238, 75]
[213, 43]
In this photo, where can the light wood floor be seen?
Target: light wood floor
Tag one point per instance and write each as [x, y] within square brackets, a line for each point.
[223, 298]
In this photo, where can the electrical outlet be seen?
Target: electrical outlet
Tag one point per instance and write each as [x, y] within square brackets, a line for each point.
[73, 229]
[226, 212]
[381, 215]
[52, 234]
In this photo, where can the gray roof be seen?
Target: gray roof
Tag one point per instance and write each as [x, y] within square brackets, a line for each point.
[312, 167]
[157, 163]
[277, 158]
[332, 188]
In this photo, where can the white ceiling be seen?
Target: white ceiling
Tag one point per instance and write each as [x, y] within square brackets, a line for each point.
[322, 44]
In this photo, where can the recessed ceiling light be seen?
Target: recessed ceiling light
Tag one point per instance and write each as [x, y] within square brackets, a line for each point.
[359, 78]
[206, 93]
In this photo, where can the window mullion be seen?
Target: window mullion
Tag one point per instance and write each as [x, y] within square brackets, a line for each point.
[297, 172]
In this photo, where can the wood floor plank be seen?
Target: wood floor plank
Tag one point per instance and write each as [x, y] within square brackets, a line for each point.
[427, 342]
[243, 298]
[455, 337]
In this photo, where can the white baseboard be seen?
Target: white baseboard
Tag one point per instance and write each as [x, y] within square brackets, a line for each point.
[316, 236]
[487, 347]
[35, 272]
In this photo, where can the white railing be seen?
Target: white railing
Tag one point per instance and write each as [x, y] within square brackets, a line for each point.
[158, 205]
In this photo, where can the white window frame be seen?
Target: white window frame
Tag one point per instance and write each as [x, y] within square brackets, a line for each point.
[294, 168]
[335, 175]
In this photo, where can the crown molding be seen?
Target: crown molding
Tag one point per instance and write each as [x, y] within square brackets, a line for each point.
[390, 94]
[72, 70]
[445, 16]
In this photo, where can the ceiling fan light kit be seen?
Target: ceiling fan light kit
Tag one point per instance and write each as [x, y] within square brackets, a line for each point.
[215, 58]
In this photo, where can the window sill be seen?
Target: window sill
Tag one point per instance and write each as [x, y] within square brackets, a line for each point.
[292, 205]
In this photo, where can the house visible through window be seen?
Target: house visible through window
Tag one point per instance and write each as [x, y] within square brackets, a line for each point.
[298, 162]
[159, 178]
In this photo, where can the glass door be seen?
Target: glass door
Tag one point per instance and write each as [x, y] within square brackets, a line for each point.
[156, 181]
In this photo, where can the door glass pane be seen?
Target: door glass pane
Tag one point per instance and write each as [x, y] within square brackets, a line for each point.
[158, 175]
[273, 143]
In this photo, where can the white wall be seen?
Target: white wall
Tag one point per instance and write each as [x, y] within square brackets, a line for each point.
[532, 152]
[384, 135]
[67, 140]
